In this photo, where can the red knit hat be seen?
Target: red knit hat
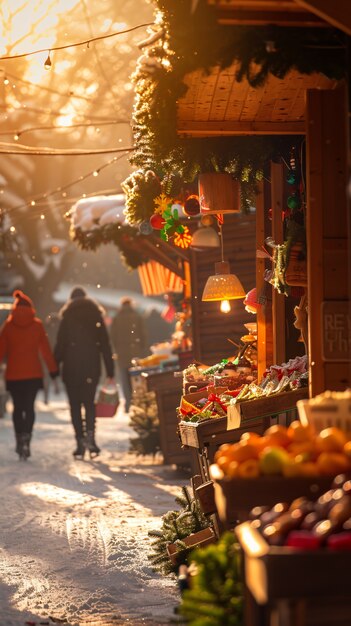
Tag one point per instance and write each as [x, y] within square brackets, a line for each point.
[21, 299]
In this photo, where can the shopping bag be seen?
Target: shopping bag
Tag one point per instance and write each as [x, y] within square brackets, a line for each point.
[107, 401]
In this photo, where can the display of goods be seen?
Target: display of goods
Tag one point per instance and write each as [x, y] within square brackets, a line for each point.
[278, 378]
[151, 361]
[229, 373]
[309, 525]
[331, 408]
[296, 450]
[194, 378]
[212, 403]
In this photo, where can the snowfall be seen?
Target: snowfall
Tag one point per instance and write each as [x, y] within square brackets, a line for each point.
[74, 534]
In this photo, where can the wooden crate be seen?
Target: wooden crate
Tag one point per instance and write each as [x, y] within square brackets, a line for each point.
[195, 540]
[273, 573]
[235, 497]
[247, 410]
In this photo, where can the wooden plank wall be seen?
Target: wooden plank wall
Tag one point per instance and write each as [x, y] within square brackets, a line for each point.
[328, 245]
[211, 328]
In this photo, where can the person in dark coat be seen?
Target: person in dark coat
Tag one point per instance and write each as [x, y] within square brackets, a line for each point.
[82, 340]
[128, 337]
[23, 342]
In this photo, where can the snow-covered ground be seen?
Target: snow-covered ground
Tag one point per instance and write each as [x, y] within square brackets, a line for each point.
[73, 534]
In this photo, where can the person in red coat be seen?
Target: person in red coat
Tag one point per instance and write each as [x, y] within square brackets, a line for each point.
[23, 342]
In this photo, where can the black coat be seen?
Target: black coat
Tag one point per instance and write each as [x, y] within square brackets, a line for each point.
[82, 340]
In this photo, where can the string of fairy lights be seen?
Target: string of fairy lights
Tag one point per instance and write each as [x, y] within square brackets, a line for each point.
[39, 202]
[36, 200]
[85, 42]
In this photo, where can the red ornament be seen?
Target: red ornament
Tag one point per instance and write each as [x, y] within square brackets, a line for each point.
[157, 221]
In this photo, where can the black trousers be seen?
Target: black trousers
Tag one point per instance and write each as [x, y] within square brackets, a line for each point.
[23, 394]
[80, 396]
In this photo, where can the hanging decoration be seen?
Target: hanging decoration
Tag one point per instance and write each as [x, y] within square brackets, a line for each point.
[290, 257]
[191, 206]
[184, 239]
[162, 203]
[172, 224]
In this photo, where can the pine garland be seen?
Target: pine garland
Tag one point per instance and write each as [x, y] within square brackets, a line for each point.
[189, 41]
[176, 525]
[216, 594]
[117, 233]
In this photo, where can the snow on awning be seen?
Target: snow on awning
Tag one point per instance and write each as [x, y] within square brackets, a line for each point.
[98, 211]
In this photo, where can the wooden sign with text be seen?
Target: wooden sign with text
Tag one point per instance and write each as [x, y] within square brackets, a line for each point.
[336, 329]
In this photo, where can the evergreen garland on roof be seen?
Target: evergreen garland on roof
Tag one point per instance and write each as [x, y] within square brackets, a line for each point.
[183, 42]
[124, 237]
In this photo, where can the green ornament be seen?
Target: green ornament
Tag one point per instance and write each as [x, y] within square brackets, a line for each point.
[291, 178]
[294, 202]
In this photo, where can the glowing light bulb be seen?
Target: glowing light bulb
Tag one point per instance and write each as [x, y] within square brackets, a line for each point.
[32, 203]
[16, 137]
[6, 81]
[225, 306]
[47, 64]
[96, 173]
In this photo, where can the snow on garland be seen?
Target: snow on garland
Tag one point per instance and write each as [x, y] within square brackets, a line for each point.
[100, 220]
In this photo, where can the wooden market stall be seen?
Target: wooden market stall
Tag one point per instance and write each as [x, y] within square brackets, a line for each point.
[315, 108]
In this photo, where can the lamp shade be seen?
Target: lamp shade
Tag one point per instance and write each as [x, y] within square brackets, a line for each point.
[205, 237]
[223, 285]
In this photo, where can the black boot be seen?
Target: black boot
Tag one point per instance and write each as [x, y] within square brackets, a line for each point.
[91, 444]
[18, 443]
[80, 449]
[25, 448]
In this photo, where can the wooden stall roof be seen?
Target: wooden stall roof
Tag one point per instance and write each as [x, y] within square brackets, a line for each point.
[306, 13]
[216, 104]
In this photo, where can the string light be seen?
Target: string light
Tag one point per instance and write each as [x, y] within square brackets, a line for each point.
[86, 42]
[70, 94]
[62, 188]
[48, 64]
[19, 133]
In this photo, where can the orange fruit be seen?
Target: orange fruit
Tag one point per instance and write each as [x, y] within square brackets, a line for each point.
[243, 451]
[291, 468]
[303, 447]
[223, 463]
[333, 463]
[298, 432]
[277, 435]
[331, 439]
[249, 468]
[254, 439]
[232, 469]
[308, 468]
[223, 450]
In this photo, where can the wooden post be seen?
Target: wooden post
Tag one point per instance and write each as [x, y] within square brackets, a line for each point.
[327, 240]
[278, 300]
[264, 313]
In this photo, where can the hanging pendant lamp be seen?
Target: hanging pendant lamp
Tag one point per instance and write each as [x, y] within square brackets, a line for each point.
[222, 285]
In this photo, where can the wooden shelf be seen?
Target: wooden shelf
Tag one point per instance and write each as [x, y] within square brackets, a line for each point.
[251, 417]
